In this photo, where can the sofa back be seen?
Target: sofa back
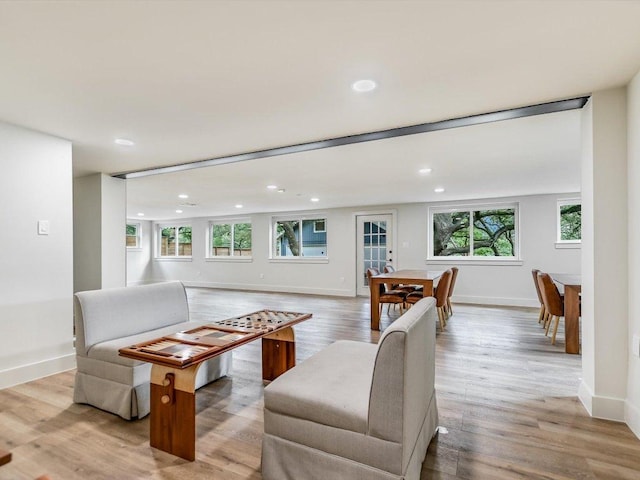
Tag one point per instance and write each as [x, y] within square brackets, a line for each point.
[405, 363]
[102, 315]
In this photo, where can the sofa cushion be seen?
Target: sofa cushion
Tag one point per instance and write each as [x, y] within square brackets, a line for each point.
[330, 388]
[108, 351]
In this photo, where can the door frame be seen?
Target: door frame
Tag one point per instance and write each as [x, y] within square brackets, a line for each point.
[394, 232]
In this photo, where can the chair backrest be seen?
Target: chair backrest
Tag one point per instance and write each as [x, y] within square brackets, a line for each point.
[102, 315]
[550, 295]
[453, 281]
[403, 377]
[389, 269]
[535, 273]
[442, 290]
[374, 272]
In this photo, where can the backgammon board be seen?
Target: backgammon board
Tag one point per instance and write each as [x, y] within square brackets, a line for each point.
[184, 348]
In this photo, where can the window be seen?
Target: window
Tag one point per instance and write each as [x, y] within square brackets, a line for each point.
[133, 235]
[319, 226]
[174, 241]
[300, 237]
[474, 232]
[230, 239]
[569, 221]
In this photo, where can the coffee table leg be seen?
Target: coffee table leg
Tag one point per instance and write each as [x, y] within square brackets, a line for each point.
[173, 410]
[278, 353]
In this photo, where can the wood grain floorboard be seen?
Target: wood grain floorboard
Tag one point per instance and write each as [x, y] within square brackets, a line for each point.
[506, 396]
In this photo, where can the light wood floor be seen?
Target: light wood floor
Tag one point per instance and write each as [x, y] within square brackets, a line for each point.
[507, 399]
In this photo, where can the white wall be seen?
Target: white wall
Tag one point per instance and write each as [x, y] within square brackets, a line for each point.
[502, 284]
[99, 209]
[605, 313]
[632, 406]
[139, 259]
[36, 312]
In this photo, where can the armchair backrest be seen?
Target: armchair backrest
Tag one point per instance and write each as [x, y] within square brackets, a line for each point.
[405, 363]
[102, 315]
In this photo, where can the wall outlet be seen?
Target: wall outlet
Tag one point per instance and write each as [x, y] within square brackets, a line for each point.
[262, 275]
[636, 345]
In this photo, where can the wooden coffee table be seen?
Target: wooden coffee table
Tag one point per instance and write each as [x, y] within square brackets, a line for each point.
[177, 357]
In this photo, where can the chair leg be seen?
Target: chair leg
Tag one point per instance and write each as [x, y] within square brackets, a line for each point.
[547, 324]
[449, 309]
[441, 317]
[555, 330]
[542, 314]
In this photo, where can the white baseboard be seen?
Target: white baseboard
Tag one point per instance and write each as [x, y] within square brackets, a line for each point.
[598, 406]
[632, 418]
[502, 301]
[273, 288]
[33, 371]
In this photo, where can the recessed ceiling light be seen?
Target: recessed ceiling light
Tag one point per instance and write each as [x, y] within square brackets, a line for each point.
[364, 85]
[183, 195]
[438, 190]
[141, 214]
[424, 171]
[124, 142]
[281, 190]
[272, 187]
[178, 211]
[239, 205]
[314, 199]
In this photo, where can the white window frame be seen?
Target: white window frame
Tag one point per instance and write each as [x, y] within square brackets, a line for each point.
[315, 223]
[566, 243]
[471, 259]
[158, 240]
[231, 257]
[138, 245]
[273, 257]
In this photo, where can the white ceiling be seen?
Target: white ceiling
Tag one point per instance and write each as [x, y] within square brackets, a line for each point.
[194, 80]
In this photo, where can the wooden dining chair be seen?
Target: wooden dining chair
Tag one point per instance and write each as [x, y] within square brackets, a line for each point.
[390, 297]
[542, 316]
[441, 293]
[454, 270]
[553, 303]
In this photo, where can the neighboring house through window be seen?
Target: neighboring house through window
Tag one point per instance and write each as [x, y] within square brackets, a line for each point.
[474, 231]
[300, 237]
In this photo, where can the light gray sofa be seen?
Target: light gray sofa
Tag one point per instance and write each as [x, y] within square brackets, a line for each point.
[355, 410]
[107, 320]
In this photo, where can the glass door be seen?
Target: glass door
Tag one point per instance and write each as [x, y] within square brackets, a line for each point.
[374, 247]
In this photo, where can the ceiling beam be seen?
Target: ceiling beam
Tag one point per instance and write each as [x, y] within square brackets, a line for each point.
[551, 107]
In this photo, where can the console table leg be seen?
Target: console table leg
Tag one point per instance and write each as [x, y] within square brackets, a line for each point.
[278, 353]
[173, 410]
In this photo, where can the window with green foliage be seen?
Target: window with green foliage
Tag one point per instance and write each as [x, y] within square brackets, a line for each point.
[569, 221]
[474, 232]
[230, 239]
[174, 241]
[300, 237]
[133, 235]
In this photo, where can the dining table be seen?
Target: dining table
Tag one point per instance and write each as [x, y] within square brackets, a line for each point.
[572, 284]
[425, 278]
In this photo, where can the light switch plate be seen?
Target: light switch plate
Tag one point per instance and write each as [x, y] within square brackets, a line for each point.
[636, 345]
[43, 227]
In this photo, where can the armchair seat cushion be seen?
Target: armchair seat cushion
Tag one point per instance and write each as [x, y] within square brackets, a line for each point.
[340, 400]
